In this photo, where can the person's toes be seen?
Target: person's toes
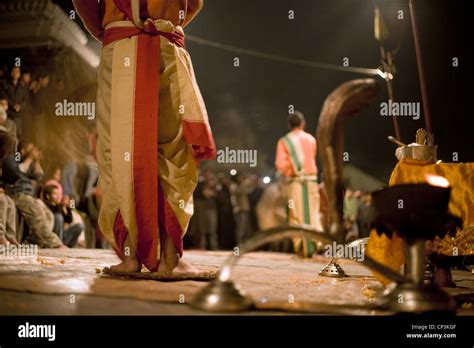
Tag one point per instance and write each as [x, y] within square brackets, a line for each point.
[129, 266]
[13, 240]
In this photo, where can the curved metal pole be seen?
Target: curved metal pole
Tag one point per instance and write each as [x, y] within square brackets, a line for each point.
[271, 235]
[288, 231]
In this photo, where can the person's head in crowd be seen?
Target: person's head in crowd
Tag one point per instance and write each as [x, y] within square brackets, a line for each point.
[52, 194]
[57, 174]
[43, 79]
[296, 120]
[357, 194]
[28, 150]
[256, 181]
[224, 179]
[242, 179]
[206, 172]
[349, 193]
[3, 72]
[26, 77]
[367, 199]
[34, 86]
[59, 84]
[5, 143]
[15, 73]
[3, 107]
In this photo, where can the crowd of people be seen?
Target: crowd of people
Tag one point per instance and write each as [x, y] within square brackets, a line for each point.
[357, 214]
[40, 204]
[225, 210]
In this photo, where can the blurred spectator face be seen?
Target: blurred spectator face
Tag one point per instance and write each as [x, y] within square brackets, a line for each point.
[26, 78]
[16, 73]
[240, 178]
[4, 104]
[349, 193]
[368, 199]
[60, 85]
[224, 179]
[34, 85]
[3, 111]
[26, 149]
[44, 81]
[55, 196]
[57, 174]
[357, 194]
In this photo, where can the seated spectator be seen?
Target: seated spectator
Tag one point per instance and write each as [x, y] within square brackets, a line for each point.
[56, 181]
[18, 178]
[62, 215]
[7, 219]
[7, 124]
[7, 207]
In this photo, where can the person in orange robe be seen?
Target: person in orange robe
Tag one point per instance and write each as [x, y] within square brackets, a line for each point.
[296, 160]
[152, 127]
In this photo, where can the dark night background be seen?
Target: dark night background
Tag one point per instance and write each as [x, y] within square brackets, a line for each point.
[248, 105]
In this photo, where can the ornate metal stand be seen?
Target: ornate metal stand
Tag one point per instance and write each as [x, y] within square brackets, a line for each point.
[332, 270]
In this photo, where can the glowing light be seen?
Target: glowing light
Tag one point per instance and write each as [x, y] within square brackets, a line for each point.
[213, 299]
[224, 274]
[436, 180]
[266, 180]
[233, 172]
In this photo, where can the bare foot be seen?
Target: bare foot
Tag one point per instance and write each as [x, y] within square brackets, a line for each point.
[180, 267]
[172, 263]
[186, 267]
[12, 240]
[129, 265]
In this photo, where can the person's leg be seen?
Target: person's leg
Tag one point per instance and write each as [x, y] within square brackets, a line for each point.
[107, 198]
[212, 228]
[69, 172]
[72, 234]
[240, 227]
[3, 218]
[246, 230]
[200, 213]
[47, 213]
[177, 169]
[130, 261]
[91, 178]
[41, 225]
[11, 232]
[58, 226]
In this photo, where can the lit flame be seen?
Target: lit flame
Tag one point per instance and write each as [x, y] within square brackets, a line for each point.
[436, 180]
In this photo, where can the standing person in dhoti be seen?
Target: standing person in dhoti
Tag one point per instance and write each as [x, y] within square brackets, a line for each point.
[296, 160]
[152, 128]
